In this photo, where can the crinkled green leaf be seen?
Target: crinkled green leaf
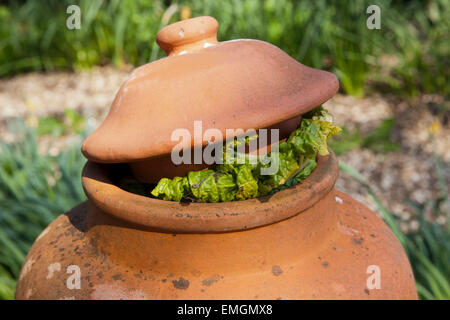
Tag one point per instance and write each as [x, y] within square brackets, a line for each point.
[171, 189]
[246, 183]
[308, 139]
[308, 168]
[298, 177]
[202, 185]
[234, 180]
[312, 137]
[288, 163]
[226, 186]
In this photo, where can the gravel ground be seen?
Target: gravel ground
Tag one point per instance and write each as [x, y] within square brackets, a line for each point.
[396, 177]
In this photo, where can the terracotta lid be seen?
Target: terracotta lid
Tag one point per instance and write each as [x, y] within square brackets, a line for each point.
[228, 85]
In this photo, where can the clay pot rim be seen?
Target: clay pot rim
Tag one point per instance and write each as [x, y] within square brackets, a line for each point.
[174, 217]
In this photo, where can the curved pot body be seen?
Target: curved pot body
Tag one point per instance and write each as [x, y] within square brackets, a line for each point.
[306, 242]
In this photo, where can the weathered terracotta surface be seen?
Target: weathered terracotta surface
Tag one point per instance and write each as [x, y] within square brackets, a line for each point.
[227, 85]
[306, 242]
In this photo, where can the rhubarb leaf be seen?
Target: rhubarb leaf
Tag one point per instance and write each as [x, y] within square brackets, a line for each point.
[294, 161]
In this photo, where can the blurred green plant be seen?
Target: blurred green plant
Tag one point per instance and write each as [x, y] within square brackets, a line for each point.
[34, 189]
[428, 248]
[379, 140]
[72, 122]
[416, 46]
[346, 141]
[410, 54]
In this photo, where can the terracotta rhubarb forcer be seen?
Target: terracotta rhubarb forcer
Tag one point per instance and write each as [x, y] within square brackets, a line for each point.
[306, 242]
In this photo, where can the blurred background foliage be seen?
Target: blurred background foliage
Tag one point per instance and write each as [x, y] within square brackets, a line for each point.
[410, 57]
[34, 190]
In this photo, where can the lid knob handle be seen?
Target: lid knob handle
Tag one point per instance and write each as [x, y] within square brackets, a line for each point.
[188, 35]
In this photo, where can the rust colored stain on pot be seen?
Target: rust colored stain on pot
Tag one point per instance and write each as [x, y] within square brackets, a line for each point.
[181, 283]
[276, 270]
[211, 280]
